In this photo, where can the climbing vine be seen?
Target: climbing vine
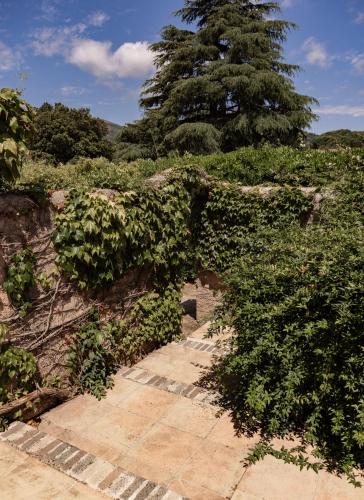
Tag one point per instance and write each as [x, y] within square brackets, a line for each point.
[20, 279]
[154, 321]
[90, 238]
[17, 371]
[231, 221]
[91, 360]
[99, 238]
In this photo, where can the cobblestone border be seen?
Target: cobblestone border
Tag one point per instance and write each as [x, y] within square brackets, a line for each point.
[210, 347]
[102, 476]
[145, 377]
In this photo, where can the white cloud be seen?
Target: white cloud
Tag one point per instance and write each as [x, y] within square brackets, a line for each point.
[69, 90]
[97, 58]
[55, 41]
[8, 58]
[97, 18]
[358, 62]
[359, 18]
[344, 110]
[316, 53]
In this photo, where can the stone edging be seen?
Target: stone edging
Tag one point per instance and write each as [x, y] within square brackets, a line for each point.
[107, 478]
[145, 377]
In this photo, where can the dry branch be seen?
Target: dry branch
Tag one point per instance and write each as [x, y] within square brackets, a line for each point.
[35, 403]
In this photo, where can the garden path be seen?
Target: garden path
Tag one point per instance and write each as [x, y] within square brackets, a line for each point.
[160, 433]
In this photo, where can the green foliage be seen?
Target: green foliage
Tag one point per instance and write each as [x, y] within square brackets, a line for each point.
[98, 349]
[90, 239]
[196, 138]
[297, 364]
[338, 138]
[284, 165]
[20, 279]
[231, 222]
[296, 456]
[154, 321]
[248, 166]
[141, 139]
[17, 370]
[63, 133]
[229, 75]
[98, 239]
[16, 117]
[90, 358]
[86, 173]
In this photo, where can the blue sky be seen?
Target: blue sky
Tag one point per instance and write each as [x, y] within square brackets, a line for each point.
[95, 53]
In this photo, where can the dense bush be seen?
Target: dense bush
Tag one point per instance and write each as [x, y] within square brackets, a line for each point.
[248, 166]
[63, 133]
[16, 117]
[297, 309]
[284, 165]
[86, 173]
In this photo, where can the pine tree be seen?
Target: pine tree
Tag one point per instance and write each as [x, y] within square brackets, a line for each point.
[229, 74]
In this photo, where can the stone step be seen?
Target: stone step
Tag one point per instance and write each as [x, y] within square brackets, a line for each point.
[98, 474]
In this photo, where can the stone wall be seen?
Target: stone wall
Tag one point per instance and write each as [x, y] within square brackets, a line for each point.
[58, 311]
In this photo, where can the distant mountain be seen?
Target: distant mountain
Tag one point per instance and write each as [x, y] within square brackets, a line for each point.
[114, 129]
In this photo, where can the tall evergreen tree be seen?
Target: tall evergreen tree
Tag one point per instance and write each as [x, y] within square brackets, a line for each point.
[228, 75]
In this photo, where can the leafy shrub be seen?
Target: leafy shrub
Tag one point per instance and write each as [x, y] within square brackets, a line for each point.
[297, 364]
[248, 166]
[16, 117]
[86, 173]
[17, 370]
[91, 361]
[284, 165]
[154, 321]
[20, 279]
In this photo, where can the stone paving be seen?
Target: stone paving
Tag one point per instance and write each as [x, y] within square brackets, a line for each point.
[155, 424]
[102, 476]
[24, 477]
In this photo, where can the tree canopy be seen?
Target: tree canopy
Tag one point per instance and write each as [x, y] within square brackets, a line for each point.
[62, 133]
[229, 74]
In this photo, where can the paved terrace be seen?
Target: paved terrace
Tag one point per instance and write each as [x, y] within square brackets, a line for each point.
[156, 435]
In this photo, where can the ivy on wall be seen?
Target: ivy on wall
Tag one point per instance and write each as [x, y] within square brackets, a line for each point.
[20, 279]
[17, 371]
